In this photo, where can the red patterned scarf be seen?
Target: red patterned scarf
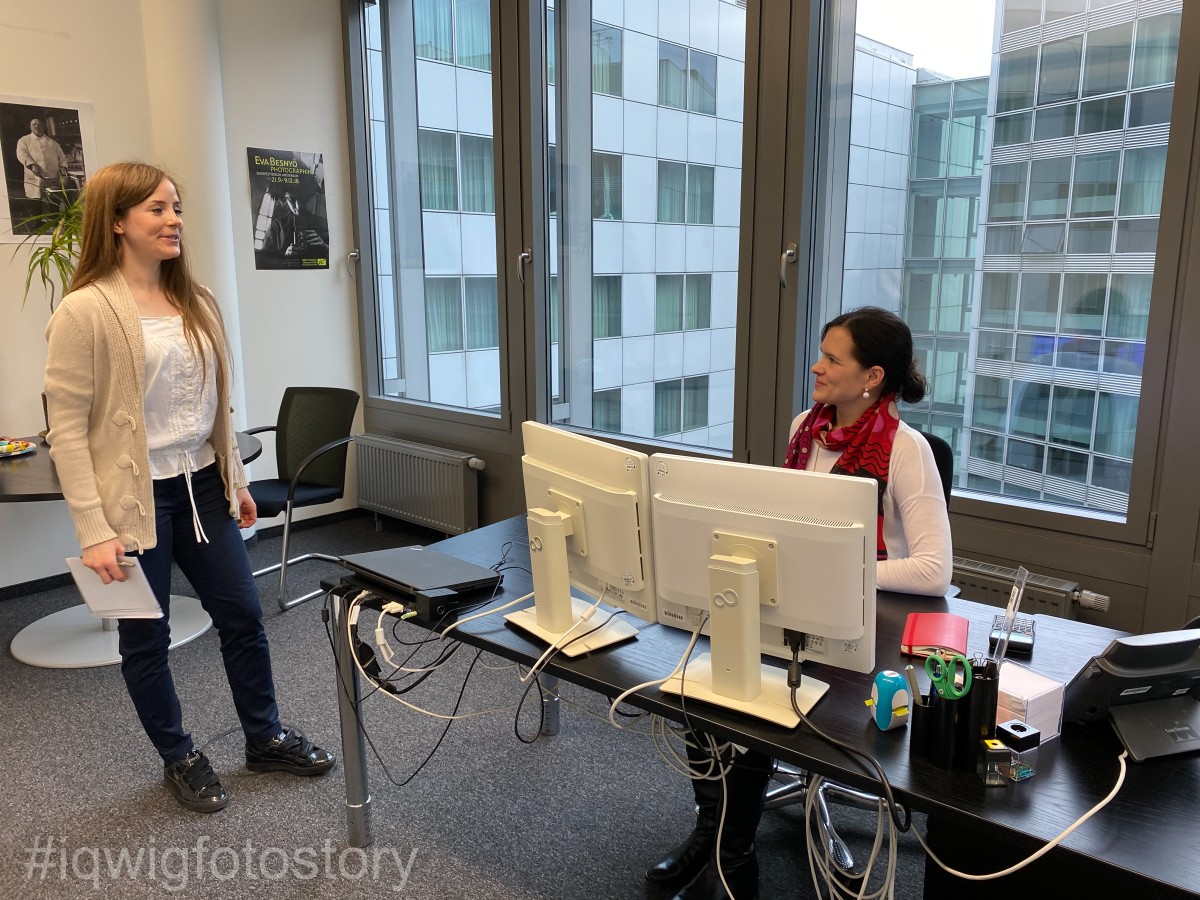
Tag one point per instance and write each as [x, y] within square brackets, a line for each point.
[866, 446]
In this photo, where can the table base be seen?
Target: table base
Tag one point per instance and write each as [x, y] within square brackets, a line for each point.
[73, 638]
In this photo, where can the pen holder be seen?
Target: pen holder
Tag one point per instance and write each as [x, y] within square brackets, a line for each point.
[977, 721]
[935, 730]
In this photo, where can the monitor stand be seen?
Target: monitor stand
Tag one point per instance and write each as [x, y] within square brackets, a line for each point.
[774, 702]
[733, 675]
[556, 615]
[588, 640]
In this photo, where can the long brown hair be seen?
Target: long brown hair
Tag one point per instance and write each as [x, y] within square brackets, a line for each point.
[109, 194]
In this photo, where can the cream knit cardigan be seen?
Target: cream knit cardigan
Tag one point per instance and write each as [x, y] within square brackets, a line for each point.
[95, 371]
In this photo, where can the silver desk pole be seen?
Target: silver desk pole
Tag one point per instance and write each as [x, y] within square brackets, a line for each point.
[354, 752]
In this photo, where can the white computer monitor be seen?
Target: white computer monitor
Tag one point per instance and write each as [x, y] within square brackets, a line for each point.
[589, 529]
[763, 552]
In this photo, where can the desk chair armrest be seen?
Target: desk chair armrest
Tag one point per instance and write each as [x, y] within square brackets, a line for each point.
[311, 458]
[259, 429]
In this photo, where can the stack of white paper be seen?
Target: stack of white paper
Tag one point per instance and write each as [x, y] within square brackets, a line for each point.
[128, 599]
[1031, 697]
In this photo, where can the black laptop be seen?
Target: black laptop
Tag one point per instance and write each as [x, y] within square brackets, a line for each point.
[415, 572]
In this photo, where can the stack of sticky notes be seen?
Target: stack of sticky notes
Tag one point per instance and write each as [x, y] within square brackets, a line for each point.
[1031, 697]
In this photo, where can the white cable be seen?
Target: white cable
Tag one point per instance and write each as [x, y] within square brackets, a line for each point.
[612, 709]
[828, 867]
[389, 656]
[351, 620]
[536, 669]
[487, 612]
[1038, 854]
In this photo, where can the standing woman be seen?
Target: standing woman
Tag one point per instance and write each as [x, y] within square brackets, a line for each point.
[138, 396]
[853, 428]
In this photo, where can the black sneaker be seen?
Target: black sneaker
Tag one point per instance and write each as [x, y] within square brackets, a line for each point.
[289, 751]
[194, 783]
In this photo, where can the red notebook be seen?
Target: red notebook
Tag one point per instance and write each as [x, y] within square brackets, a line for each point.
[927, 633]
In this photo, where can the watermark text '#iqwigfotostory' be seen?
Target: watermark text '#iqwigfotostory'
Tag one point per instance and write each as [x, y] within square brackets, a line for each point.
[174, 867]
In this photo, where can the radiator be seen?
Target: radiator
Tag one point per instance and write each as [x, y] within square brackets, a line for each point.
[427, 485]
[992, 584]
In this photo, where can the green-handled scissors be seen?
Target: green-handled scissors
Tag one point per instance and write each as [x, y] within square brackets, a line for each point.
[944, 675]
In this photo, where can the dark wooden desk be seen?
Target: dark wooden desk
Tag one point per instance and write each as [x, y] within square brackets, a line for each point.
[1141, 845]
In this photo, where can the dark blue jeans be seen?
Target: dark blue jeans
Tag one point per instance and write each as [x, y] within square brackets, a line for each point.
[220, 573]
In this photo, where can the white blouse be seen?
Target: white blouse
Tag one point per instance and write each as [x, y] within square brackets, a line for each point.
[180, 399]
[916, 527]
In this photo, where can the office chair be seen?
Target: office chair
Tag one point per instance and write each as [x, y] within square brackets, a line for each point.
[795, 790]
[311, 435]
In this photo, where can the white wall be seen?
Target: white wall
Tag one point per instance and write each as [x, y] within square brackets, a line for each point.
[190, 85]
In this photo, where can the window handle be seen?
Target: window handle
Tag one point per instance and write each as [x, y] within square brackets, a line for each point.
[788, 256]
[351, 261]
[524, 258]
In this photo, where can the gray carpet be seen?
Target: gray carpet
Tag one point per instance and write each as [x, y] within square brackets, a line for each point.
[577, 816]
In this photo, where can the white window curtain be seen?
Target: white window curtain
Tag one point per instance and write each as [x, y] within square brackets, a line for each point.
[672, 188]
[482, 320]
[478, 178]
[443, 314]
[606, 186]
[695, 403]
[473, 28]
[438, 169]
[1157, 48]
[697, 306]
[1128, 306]
[1142, 181]
[672, 75]
[1106, 65]
[702, 78]
[606, 59]
[668, 303]
[1116, 423]
[700, 194]
[606, 410]
[431, 22]
[606, 306]
[667, 407]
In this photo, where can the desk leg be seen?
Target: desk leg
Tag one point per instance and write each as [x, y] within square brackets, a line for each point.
[354, 754]
[550, 705]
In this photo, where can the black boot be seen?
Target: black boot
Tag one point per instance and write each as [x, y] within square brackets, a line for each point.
[683, 863]
[746, 784]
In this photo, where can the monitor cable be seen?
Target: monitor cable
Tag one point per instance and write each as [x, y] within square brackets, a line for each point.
[794, 677]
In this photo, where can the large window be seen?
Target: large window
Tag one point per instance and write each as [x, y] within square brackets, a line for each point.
[434, 235]
[1001, 191]
[647, 276]
[1042, 397]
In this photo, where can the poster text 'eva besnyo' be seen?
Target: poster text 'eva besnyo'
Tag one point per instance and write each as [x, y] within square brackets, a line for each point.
[289, 166]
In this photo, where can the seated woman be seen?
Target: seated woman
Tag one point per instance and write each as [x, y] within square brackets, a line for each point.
[853, 428]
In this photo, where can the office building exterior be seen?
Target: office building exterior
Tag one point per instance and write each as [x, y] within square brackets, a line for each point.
[1011, 219]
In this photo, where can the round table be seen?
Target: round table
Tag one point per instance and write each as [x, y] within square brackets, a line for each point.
[73, 638]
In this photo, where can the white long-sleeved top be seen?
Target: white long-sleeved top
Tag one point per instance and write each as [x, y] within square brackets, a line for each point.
[916, 527]
[180, 400]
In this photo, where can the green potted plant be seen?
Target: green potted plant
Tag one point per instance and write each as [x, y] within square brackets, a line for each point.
[53, 262]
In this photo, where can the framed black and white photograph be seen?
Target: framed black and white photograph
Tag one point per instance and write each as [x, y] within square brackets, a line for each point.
[47, 148]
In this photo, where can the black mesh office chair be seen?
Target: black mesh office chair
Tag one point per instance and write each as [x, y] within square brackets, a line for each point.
[795, 788]
[310, 453]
